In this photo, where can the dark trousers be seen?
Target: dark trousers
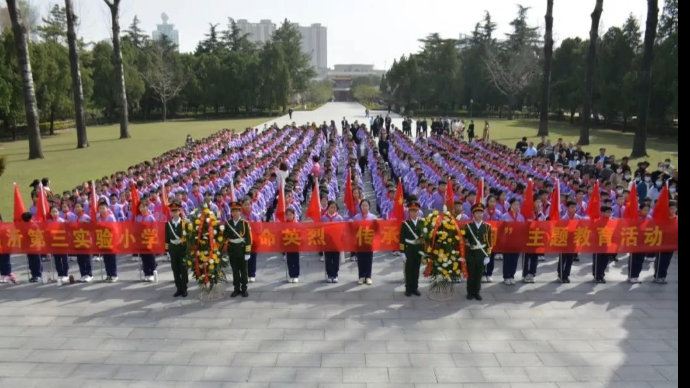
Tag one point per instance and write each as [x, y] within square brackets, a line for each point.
[565, 265]
[148, 264]
[412, 272]
[239, 273]
[110, 262]
[5, 265]
[489, 268]
[510, 265]
[251, 265]
[332, 264]
[61, 265]
[84, 262]
[530, 262]
[363, 164]
[365, 262]
[663, 261]
[475, 268]
[600, 264]
[35, 265]
[180, 273]
[636, 262]
[293, 264]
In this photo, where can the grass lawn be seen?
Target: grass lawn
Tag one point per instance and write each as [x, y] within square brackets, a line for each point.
[616, 143]
[67, 166]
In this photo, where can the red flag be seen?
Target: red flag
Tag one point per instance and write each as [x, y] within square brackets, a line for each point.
[398, 212]
[662, 211]
[594, 208]
[19, 208]
[166, 204]
[555, 209]
[528, 204]
[93, 205]
[135, 201]
[480, 191]
[42, 208]
[314, 210]
[450, 197]
[349, 199]
[632, 205]
[280, 208]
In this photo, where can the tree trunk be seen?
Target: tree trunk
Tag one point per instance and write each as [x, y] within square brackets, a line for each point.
[546, 77]
[77, 90]
[589, 80]
[52, 122]
[119, 69]
[165, 110]
[33, 130]
[639, 149]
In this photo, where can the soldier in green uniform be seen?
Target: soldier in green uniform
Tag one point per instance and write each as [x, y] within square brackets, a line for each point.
[411, 247]
[176, 249]
[477, 235]
[238, 235]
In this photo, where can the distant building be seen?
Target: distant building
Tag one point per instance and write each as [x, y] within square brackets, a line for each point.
[342, 89]
[167, 30]
[354, 70]
[314, 40]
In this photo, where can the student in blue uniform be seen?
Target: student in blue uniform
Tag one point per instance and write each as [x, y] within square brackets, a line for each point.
[663, 260]
[365, 260]
[148, 261]
[84, 260]
[601, 260]
[61, 260]
[636, 261]
[332, 258]
[292, 257]
[109, 260]
[6, 275]
[510, 260]
[565, 260]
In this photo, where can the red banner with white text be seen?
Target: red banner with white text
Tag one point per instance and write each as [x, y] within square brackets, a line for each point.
[603, 236]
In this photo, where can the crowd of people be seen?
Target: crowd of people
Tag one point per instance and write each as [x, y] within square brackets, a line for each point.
[230, 172]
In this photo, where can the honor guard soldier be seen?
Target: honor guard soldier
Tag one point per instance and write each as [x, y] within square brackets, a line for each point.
[238, 235]
[411, 247]
[477, 235]
[177, 249]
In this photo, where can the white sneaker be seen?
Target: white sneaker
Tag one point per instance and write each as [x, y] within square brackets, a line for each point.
[252, 280]
[635, 281]
[528, 279]
[83, 279]
[113, 279]
[335, 280]
[329, 280]
[97, 259]
[322, 259]
[295, 280]
[87, 279]
[512, 282]
[361, 281]
[506, 282]
[65, 279]
[155, 276]
[369, 282]
[4, 279]
[485, 279]
[489, 279]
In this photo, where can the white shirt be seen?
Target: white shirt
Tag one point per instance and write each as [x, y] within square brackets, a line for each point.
[478, 224]
[531, 151]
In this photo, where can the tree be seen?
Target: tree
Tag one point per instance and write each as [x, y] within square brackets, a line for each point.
[31, 16]
[568, 73]
[546, 76]
[77, 90]
[289, 38]
[618, 54]
[319, 92]
[114, 6]
[11, 90]
[591, 68]
[366, 93]
[136, 35]
[51, 80]
[275, 76]
[163, 75]
[645, 77]
[54, 28]
[22, 45]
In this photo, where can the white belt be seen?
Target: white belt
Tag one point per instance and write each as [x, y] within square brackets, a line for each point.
[176, 242]
[413, 242]
[477, 247]
[237, 241]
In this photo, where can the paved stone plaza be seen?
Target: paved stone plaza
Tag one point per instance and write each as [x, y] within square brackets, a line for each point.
[318, 335]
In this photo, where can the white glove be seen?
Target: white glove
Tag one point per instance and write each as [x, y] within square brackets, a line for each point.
[247, 257]
[487, 261]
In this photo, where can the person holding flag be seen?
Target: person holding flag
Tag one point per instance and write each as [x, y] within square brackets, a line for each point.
[600, 261]
[176, 249]
[6, 275]
[238, 234]
[531, 209]
[477, 237]
[411, 246]
[565, 260]
[636, 261]
[663, 259]
[148, 260]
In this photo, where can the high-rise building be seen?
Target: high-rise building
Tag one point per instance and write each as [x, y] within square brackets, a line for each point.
[314, 39]
[167, 30]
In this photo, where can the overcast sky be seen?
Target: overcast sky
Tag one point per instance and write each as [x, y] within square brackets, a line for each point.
[359, 31]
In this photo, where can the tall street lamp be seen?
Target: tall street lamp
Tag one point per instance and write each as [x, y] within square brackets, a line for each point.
[471, 108]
